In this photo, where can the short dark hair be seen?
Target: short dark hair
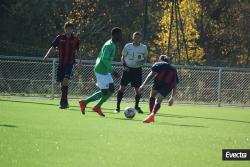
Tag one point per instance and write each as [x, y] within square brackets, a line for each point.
[116, 30]
[68, 24]
[164, 58]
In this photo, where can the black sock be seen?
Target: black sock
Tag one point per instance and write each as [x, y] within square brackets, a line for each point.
[137, 100]
[119, 99]
[156, 107]
[151, 103]
[64, 96]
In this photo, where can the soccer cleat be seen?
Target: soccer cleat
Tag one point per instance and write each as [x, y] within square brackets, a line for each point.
[138, 109]
[150, 118]
[98, 111]
[82, 106]
[64, 105]
[117, 110]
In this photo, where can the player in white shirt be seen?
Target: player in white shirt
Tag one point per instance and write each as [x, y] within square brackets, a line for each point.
[134, 55]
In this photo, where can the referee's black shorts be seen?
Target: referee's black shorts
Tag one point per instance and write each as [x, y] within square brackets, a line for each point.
[162, 88]
[133, 76]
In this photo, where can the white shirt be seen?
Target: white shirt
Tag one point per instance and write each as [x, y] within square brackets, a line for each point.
[135, 56]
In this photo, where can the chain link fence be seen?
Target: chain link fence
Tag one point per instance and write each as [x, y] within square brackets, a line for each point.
[34, 77]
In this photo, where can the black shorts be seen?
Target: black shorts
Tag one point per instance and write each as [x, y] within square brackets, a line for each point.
[133, 76]
[163, 89]
[64, 71]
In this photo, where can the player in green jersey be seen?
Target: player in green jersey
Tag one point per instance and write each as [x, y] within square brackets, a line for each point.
[103, 70]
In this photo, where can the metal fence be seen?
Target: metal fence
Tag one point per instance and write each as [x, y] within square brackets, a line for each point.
[21, 76]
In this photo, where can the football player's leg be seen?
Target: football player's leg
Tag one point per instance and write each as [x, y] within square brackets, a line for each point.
[153, 94]
[107, 89]
[64, 88]
[137, 100]
[136, 83]
[107, 93]
[163, 92]
[124, 82]
[65, 84]
[119, 97]
[150, 118]
[157, 104]
[102, 83]
[93, 97]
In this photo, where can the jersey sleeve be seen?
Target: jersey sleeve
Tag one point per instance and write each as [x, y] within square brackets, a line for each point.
[156, 67]
[55, 42]
[106, 58]
[125, 51]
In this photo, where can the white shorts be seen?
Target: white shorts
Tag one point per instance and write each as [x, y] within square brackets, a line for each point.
[103, 81]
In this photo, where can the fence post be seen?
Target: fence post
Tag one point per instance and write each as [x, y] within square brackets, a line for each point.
[53, 78]
[219, 88]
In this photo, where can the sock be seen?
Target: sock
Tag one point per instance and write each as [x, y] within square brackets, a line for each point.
[103, 99]
[151, 103]
[94, 97]
[64, 95]
[119, 99]
[137, 100]
[156, 107]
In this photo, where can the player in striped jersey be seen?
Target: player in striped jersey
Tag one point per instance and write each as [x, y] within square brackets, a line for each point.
[165, 82]
[68, 47]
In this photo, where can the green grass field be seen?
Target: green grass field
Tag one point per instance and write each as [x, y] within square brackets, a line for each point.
[35, 133]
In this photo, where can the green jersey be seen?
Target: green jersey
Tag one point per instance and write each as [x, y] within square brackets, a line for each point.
[105, 57]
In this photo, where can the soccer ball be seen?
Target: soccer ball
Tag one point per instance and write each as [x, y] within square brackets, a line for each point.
[129, 112]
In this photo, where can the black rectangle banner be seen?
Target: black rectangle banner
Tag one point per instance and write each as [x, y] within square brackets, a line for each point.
[235, 154]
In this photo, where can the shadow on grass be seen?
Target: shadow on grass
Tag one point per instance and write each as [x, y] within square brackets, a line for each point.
[89, 109]
[76, 108]
[49, 104]
[29, 102]
[198, 117]
[182, 125]
[8, 126]
[160, 123]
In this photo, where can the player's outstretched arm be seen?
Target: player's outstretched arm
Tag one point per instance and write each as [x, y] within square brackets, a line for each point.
[149, 77]
[51, 49]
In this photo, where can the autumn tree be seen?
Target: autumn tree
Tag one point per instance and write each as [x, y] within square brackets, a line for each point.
[190, 13]
[225, 32]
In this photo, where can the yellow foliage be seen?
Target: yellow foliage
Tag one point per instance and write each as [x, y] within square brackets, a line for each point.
[190, 12]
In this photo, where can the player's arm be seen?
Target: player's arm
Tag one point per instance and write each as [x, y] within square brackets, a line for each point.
[52, 48]
[78, 55]
[148, 78]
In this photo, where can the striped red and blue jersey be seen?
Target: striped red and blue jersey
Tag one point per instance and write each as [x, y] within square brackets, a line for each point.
[166, 74]
[67, 47]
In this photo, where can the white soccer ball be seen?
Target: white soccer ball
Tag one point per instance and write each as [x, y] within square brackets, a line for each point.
[129, 112]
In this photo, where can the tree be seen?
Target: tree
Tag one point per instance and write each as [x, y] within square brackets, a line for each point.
[225, 32]
[190, 13]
